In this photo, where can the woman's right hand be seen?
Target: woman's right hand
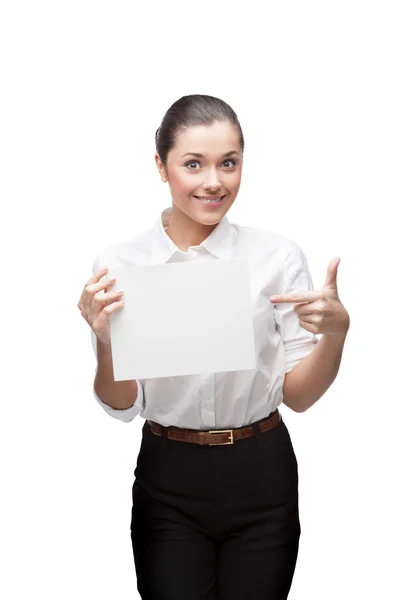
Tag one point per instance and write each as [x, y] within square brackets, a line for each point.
[96, 307]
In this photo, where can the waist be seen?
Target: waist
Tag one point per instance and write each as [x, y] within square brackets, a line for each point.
[215, 436]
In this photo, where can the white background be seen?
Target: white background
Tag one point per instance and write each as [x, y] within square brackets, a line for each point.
[84, 87]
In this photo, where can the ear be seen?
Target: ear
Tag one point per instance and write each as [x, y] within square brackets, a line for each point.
[161, 168]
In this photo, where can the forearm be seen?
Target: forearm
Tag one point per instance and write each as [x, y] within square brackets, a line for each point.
[118, 394]
[313, 375]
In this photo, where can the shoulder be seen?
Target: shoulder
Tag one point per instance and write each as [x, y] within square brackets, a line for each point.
[266, 241]
[131, 252]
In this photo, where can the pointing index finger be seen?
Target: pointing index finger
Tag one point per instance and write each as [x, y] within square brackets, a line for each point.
[294, 297]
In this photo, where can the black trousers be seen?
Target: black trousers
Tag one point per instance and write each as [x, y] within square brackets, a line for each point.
[216, 522]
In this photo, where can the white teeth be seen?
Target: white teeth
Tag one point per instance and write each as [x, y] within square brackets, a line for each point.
[210, 201]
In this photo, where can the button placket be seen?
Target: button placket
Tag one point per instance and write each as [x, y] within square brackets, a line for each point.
[207, 399]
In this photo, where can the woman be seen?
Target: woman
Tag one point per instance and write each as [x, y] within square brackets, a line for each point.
[215, 497]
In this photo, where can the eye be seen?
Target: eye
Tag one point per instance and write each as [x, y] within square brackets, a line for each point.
[190, 162]
[231, 160]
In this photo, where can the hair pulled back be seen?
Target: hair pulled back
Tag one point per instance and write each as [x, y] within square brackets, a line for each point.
[192, 111]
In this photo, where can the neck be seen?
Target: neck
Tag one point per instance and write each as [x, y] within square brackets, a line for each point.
[186, 232]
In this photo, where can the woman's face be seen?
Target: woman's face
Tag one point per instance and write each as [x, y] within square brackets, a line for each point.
[217, 172]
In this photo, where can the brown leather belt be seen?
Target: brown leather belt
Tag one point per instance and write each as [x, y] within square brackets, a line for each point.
[215, 437]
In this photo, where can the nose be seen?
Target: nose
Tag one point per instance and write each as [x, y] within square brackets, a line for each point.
[211, 182]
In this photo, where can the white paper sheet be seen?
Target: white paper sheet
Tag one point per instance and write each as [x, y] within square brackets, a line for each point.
[183, 319]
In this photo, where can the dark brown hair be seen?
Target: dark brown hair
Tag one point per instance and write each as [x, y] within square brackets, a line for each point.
[191, 111]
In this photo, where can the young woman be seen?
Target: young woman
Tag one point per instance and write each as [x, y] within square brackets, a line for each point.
[215, 497]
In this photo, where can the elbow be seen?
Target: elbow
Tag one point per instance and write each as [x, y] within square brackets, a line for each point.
[291, 394]
[296, 405]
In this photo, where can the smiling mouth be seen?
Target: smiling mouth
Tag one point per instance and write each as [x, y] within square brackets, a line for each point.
[210, 197]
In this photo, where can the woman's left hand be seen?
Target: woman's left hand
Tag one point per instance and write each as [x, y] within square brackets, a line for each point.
[320, 311]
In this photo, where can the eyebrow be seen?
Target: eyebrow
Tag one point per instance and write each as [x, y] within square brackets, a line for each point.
[199, 155]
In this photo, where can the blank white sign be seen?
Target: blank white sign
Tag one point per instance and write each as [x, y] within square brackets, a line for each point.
[183, 319]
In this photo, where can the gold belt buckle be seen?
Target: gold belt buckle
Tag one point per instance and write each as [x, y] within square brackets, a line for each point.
[231, 441]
